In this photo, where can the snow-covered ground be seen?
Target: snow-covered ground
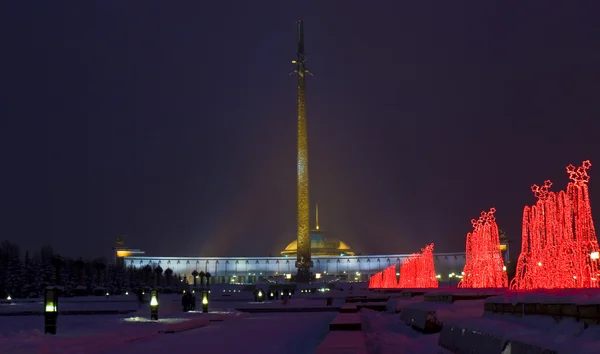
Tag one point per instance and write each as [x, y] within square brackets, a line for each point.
[226, 330]
[299, 333]
[386, 334]
[229, 333]
[232, 330]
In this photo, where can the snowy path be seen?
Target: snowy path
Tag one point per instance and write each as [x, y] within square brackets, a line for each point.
[298, 333]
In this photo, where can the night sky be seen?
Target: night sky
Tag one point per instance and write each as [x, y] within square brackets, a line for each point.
[175, 121]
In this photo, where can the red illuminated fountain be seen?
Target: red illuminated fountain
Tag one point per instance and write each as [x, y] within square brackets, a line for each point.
[559, 245]
[484, 267]
[417, 271]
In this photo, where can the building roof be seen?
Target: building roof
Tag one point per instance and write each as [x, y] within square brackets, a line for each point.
[321, 246]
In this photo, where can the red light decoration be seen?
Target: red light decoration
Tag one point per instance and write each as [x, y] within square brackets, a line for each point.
[418, 271]
[559, 245]
[389, 277]
[384, 279]
[484, 267]
[376, 281]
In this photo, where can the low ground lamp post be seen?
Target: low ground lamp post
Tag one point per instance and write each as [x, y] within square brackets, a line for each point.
[154, 305]
[450, 276]
[50, 310]
[205, 301]
[260, 295]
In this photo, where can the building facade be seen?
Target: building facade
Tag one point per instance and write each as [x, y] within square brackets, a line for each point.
[243, 270]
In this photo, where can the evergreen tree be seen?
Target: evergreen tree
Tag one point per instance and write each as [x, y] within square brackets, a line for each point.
[147, 277]
[30, 288]
[58, 264]
[68, 276]
[7, 258]
[122, 281]
[14, 279]
[46, 276]
[110, 282]
[79, 266]
[90, 275]
[99, 269]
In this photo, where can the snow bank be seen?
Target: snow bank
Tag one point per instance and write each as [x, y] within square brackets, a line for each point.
[488, 335]
[385, 334]
[559, 296]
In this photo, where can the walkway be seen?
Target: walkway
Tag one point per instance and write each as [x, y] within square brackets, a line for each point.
[290, 333]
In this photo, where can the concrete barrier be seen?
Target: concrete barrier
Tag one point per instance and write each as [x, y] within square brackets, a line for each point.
[460, 339]
[483, 335]
[587, 313]
[346, 322]
[422, 319]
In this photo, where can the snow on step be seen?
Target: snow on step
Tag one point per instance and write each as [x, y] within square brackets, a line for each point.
[375, 306]
[184, 325]
[396, 305]
[346, 322]
[355, 299]
[462, 294]
[348, 308]
[342, 342]
[429, 316]
[486, 335]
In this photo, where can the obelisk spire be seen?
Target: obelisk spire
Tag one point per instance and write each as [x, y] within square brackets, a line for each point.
[303, 261]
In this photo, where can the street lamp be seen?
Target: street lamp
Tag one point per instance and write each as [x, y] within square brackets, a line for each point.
[50, 310]
[205, 301]
[260, 295]
[450, 276]
[154, 305]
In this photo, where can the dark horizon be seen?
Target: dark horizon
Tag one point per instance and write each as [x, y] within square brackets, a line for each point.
[176, 123]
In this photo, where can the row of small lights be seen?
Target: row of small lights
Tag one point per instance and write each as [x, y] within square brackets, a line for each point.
[593, 255]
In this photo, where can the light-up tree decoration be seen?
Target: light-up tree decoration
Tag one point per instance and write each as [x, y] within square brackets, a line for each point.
[418, 271]
[376, 280]
[484, 267]
[559, 245]
[389, 277]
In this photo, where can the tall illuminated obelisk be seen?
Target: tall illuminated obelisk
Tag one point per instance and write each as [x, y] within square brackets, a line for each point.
[303, 261]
